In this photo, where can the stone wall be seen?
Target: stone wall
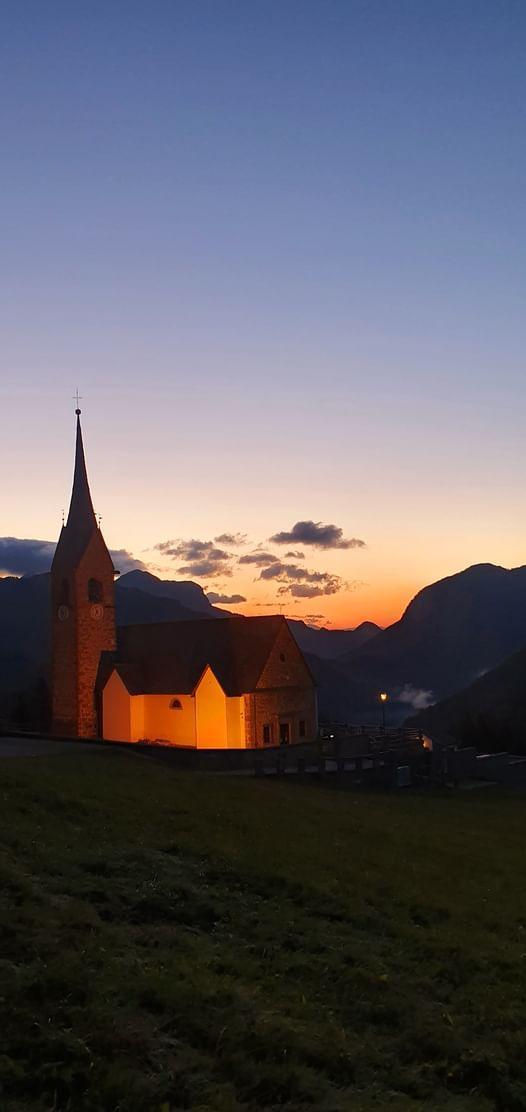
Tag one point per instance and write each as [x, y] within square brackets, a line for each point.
[285, 694]
[79, 639]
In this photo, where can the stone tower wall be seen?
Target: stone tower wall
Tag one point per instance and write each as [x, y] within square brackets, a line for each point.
[79, 640]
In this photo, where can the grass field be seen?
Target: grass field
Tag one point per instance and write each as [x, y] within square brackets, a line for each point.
[180, 941]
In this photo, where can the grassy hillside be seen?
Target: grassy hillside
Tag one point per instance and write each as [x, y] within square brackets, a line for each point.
[179, 941]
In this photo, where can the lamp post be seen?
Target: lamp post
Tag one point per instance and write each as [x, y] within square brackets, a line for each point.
[383, 699]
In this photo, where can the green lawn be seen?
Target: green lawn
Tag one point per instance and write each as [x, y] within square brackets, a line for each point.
[179, 941]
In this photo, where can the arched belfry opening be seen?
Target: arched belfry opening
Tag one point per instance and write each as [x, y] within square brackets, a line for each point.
[95, 590]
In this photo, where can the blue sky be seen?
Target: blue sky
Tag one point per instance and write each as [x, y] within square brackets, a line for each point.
[280, 247]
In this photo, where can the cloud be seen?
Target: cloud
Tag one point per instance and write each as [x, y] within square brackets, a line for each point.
[304, 590]
[259, 559]
[33, 557]
[301, 583]
[316, 535]
[416, 697]
[202, 558]
[279, 570]
[25, 557]
[295, 555]
[123, 561]
[225, 600]
[200, 569]
[235, 540]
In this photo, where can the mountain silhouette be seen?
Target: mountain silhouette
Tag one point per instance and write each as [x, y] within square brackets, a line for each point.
[329, 644]
[25, 618]
[186, 593]
[452, 632]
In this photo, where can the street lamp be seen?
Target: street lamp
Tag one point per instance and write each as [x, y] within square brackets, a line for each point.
[383, 699]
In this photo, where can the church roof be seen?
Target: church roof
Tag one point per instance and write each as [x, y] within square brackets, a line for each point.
[81, 522]
[167, 658]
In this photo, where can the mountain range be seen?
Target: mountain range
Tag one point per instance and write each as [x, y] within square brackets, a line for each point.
[452, 632]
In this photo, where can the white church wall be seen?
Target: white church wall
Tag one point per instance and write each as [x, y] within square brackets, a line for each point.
[210, 713]
[116, 724]
[164, 720]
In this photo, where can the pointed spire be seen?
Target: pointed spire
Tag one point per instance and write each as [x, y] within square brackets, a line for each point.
[81, 516]
[81, 522]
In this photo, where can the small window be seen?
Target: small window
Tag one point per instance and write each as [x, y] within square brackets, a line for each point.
[301, 727]
[282, 657]
[267, 734]
[94, 590]
[176, 704]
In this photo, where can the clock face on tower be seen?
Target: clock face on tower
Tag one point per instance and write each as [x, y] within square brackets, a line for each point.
[96, 612]
[63, 613]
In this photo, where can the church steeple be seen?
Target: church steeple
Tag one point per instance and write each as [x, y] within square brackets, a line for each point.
[81, 521]
[83, 599]
[81, 514]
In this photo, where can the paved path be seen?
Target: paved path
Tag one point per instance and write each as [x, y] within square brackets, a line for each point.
[42, 747]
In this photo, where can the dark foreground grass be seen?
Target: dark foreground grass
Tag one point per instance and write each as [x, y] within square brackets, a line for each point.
[187, 942]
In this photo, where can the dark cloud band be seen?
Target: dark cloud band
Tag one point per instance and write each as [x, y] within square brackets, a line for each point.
[201, 558]
[225, 600]
[24, 556]
[259, 559]
[317, 535]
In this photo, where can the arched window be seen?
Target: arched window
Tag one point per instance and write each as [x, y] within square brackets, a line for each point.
[64, 593]
[94, 590]
[175, 704]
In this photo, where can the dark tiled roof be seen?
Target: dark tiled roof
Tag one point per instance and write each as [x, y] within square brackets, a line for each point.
[168, 658]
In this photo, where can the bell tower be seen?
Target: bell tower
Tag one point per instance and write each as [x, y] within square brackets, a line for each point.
[83, 609]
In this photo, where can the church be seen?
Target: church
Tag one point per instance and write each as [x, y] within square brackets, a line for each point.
[213, 683]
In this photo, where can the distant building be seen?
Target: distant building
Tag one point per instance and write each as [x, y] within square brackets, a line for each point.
[219, 683]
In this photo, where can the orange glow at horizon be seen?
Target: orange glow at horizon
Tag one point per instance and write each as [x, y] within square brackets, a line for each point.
[382, 605]
[342, 613]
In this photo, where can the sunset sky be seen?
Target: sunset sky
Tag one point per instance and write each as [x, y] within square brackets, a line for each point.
[279, 246]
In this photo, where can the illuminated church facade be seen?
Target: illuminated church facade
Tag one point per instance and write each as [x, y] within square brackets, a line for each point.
[214, 683]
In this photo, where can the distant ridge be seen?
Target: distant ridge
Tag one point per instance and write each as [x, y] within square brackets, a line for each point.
[185, 592]
[329, 644]
[450, 633]
[25, 613]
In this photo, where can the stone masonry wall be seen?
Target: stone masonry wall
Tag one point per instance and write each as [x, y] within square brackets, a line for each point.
[79, 640]
[285, 693]
[94, 635]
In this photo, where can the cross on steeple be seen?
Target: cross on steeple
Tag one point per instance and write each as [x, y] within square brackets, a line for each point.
[77, 398]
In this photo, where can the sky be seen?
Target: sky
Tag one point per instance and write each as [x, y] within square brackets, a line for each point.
[280, 249]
